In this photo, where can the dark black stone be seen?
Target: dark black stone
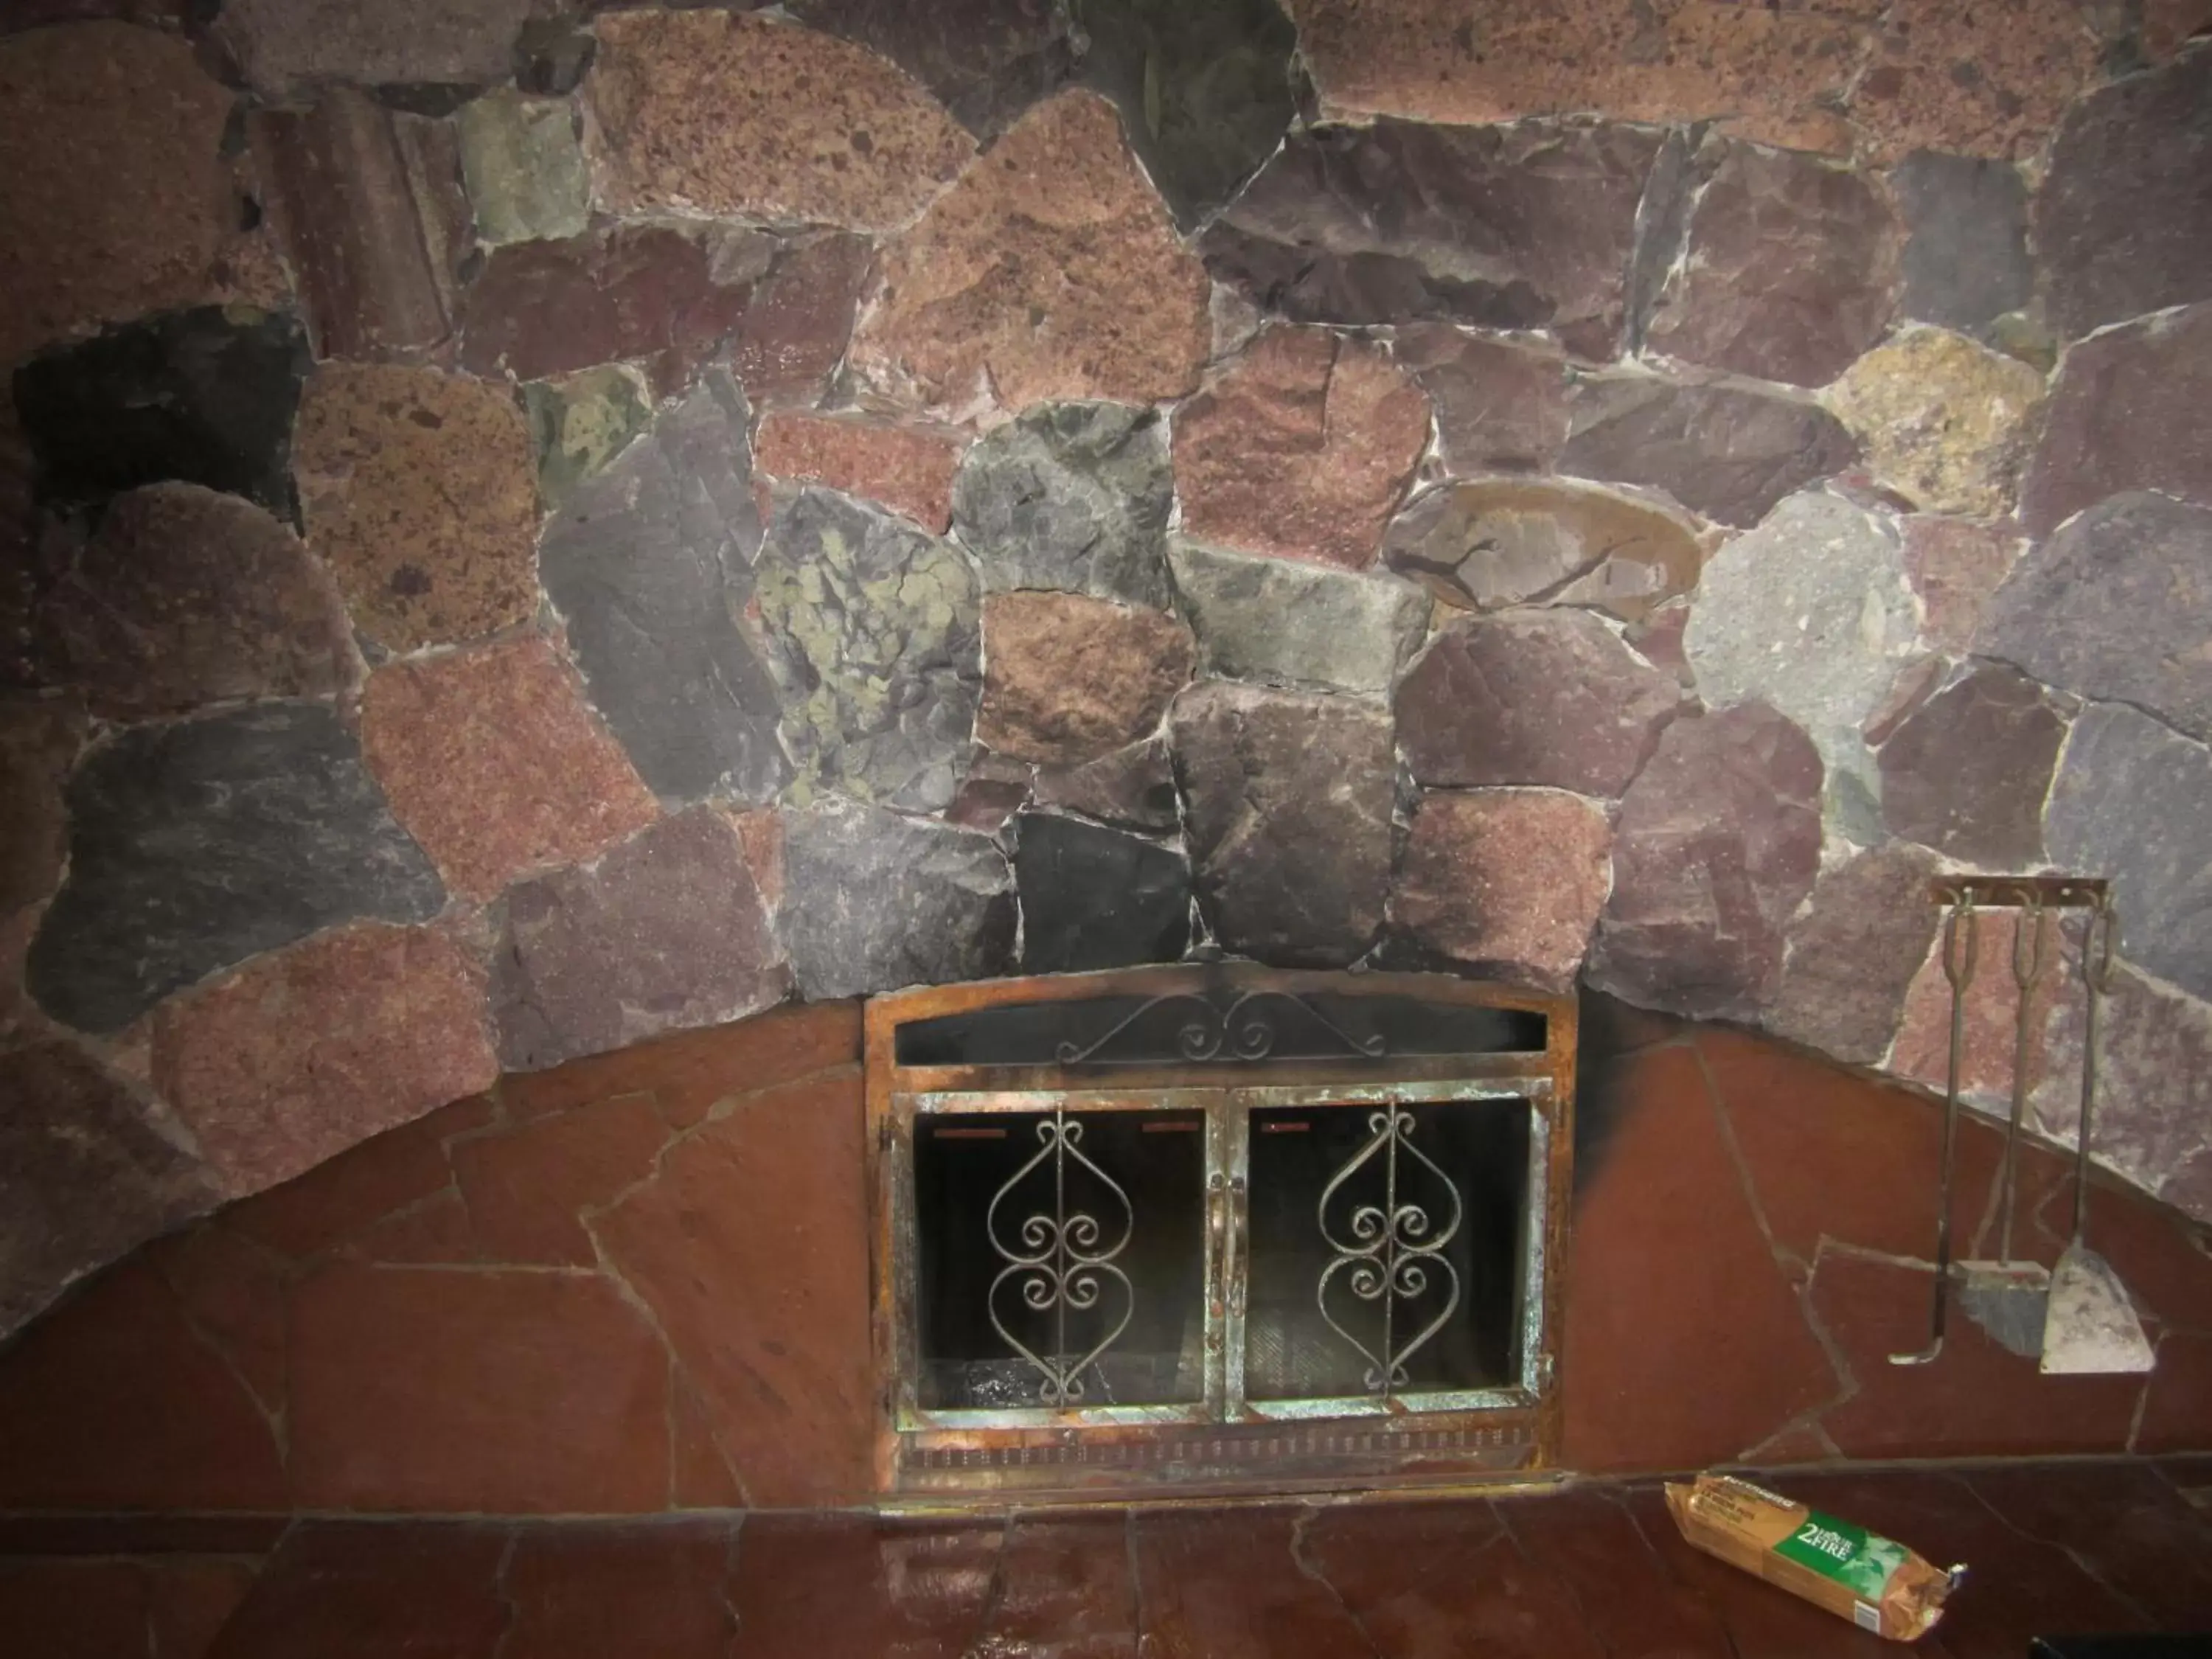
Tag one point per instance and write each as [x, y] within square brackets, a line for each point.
[1205, 91]
[1526, 225]
[1096, 898]
[1966, 249]
[188, 395]
[650, 563]
[195, 846]
[986, 60]
[552, 56]
[1133, 787]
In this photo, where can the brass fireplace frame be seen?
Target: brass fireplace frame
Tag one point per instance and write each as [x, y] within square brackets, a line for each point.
[1225, 1445]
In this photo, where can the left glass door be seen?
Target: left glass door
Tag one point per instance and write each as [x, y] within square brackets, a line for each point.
[1064, 1263]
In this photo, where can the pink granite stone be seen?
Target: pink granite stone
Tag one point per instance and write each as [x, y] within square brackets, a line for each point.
[1051, 269]
[1069, 679]
[907, 469]
[709, 113]
[492, 760]
[306, 1050]
[1955, 566]
[1302, 449]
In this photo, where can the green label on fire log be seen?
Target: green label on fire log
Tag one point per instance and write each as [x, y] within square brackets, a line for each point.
[1850, 1555]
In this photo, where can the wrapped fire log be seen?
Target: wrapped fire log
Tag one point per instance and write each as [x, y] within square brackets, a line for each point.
[1879, 1585]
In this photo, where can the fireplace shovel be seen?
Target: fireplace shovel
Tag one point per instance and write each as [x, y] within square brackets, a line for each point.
[2090, 1326]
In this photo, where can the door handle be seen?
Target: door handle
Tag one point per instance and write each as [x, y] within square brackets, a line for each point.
[1216, 1230]
[1239, 1217]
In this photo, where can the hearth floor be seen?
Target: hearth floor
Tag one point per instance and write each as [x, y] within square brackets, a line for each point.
[1592, 1569]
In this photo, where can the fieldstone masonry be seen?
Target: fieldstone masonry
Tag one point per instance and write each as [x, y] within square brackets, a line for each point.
[520, 531]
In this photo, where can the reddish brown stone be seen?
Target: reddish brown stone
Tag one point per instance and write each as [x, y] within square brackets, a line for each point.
[580, 1594]
[1769, 73]
[1501, 405]
[420, 490]
[1223, 1580]
[184, 597]
[192, 1601]
[1549, 698]
[862, 1583]
[1506, 882]
[436, 1233]
[112, 1404]
[493, 761]
[1979, 1400]
[353, 1590]
[524, 1188]
[488, 1391]
[369, 205]
[1131, 788]
[1717, 845]
[64, 1608]
[1049, 270]
[112, 194]
[1302, 449]
[339, 1197]
[379, 1025]
[800, 318]
[233, 1293]
[1956, 565]
[2169, 25]
[1943, 80]
[907, 469]
[1788, 275]
[1069, 679]
[1586, 1534]
[1967, 771]
[2121, 1521]
[1853, 953]
[689, 1072]
[1923, 1050]
[750, 1247]
[662, 294]
[39, 743]
[1676, 1383]
[699, 1474]
[1066, 1586]
[706, 113]
[667, 932]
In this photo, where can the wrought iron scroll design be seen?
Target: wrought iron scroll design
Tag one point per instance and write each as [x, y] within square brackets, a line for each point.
[1059, 1262]
[1394, 1249]
[1243, 1030]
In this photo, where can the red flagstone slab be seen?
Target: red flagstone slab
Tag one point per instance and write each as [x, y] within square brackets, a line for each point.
[1051, 269]
[490, 1391]
[112, 1403]
[732, 116]
[1066, 1587]
[907, 469]
[1675, 1381]
[648, 1590]
[493, 761]
[58, 1608]
[438, 1232]
[1978, 1399]
[352, 1589]
[379, 1025]
[857, 1584]
[233, 1292]
[699, 1476]
[2120, 1520]
[1303, 448]
[1226, 1584]
[1627, 1595]
[192, 1601]
[523, 1187]
[2177, 1405]
[420, 490]
[750, 1247]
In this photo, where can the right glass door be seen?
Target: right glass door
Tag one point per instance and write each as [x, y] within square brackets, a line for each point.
[1384, 1255]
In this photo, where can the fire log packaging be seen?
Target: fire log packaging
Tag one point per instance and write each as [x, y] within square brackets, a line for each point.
[1879, 1585]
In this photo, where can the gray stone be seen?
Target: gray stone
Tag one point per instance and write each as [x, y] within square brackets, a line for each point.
[2127, 414]
[875, 640]
[1205, 91]
[1853, 953]
[2116, 605]
[1072, 496]
[873, 902]
[1260, 618]
[1812, 614]
[1965, 260]
[1788, 275]
[1967, 771]
[1132, 788]
[650, 563]
[1287, 801]
[1519, 226]
[1502, 542]
[85, 1175]
[1097, 898]
[524, 166]
[1547, 698]
[1728, 451]
[1501, 405]
[195, 846]
[665, 932]
[1717, 845]
[284, 46]
[2124, 220]
[2133, 801]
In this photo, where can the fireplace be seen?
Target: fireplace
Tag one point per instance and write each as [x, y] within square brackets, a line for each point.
[1217, 1226]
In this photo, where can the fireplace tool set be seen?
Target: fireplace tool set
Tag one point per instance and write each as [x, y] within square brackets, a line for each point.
[2077, 1317]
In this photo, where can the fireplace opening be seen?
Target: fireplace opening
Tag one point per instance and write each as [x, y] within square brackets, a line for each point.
[1217, 1226]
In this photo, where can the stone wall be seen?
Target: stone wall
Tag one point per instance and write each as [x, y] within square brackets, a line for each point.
[523, 530]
